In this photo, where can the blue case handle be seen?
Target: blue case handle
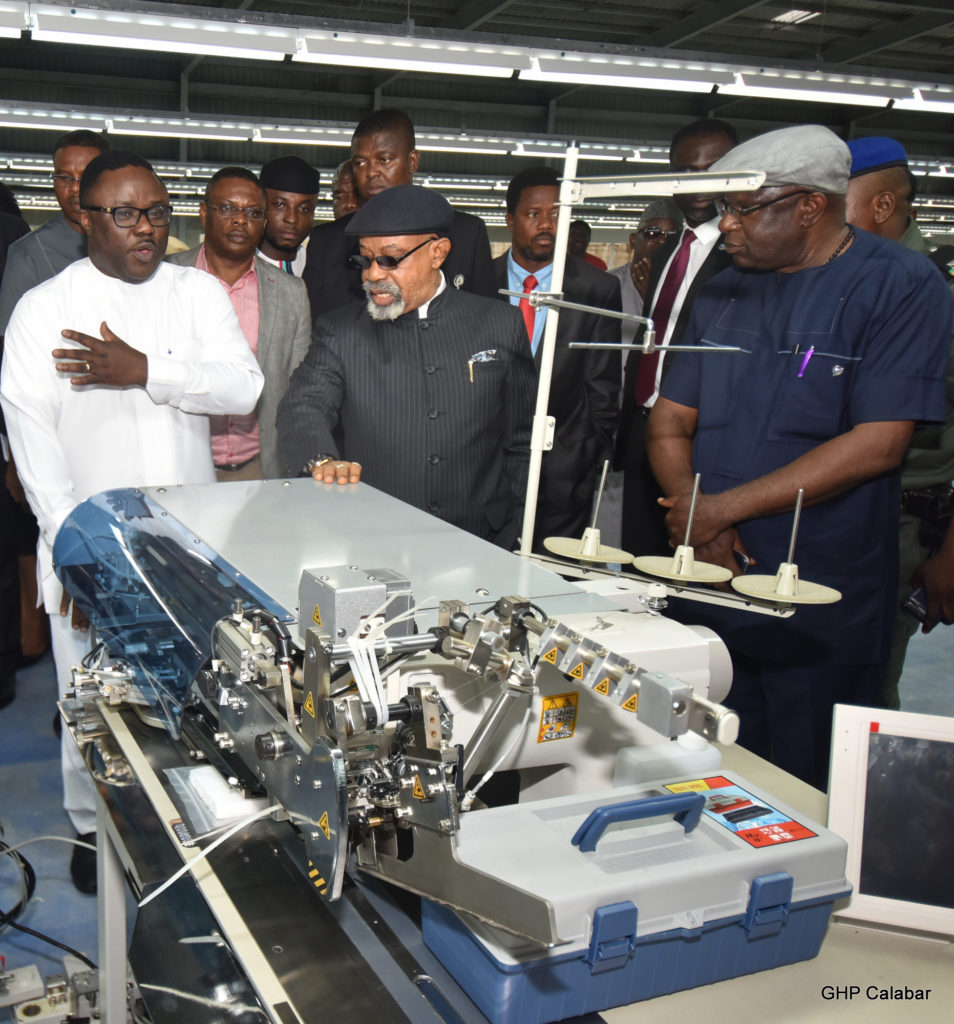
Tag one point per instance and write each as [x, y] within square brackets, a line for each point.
[686, 808]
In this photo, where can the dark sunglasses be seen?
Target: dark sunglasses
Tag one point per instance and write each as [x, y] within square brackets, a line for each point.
[654, 234]
[385, 262]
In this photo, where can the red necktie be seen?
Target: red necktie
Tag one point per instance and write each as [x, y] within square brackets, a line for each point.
[529, 313]
[646, 374]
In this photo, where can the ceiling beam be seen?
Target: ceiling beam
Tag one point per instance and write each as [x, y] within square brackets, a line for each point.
[712, 13]
[473, 15]
[894, 35]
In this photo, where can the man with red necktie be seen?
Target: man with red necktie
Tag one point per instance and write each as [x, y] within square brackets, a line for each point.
[585, 387]
[680, 268]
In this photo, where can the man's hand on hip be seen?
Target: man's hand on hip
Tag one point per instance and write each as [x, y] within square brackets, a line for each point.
[105, 361]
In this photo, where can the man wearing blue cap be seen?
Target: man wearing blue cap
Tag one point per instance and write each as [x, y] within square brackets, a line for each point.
[881, 191]
[843, 342]
[880, 194]
[421, 390]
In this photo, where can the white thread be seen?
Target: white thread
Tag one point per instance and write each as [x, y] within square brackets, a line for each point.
[194, 863]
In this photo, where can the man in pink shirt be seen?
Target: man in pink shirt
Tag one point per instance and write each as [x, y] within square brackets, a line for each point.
[272, 309]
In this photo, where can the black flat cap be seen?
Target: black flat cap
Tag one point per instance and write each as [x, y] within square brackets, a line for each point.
[403, 210]
[290, 174]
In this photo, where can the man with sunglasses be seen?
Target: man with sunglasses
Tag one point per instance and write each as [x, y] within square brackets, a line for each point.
[843, 342]
[384, 154]
[88, 410]
[660, 223]
[271, 306]
[421, 390]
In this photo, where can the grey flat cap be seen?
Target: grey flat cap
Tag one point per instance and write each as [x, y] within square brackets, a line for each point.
[808, 155]
[661, 209]
[403, 210]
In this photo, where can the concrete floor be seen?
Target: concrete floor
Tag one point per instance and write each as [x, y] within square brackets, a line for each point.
[30, 800]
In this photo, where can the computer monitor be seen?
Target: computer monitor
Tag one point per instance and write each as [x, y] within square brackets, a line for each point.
[891, 796]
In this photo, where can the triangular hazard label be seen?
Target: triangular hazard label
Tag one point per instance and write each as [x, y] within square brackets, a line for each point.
[316, 617]
[578, 672]
[551, 656]
[324, 826]
[310, 705]
[603, 686]
[418, 790]
[632, 704]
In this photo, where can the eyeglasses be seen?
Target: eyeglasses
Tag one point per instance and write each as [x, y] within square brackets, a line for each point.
[64, 180]
[654, 234]
[724, 209]
[227, 211]
[129, 216]
[386, 262]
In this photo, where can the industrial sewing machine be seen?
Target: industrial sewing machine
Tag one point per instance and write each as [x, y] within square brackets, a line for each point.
[370, 675]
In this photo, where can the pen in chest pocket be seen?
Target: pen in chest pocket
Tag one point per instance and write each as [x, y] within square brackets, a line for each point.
[806, 361]
[487, 356]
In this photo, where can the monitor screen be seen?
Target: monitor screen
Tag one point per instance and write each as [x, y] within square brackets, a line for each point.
[892, 799]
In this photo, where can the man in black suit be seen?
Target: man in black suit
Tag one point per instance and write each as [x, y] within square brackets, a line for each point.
[422, 390]
[585, 386]
[697, 252]
[11, 228]
[383, 155]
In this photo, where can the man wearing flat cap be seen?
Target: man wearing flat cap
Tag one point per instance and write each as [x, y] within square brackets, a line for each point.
[292, 186]
[383, 155]
[880, 196]
[421, 390]
[843, 341]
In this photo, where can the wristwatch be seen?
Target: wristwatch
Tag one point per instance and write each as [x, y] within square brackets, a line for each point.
[312, 464]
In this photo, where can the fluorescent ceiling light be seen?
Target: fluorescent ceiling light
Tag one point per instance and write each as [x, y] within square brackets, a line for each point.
[586, 69]
[795, 16]
[303, 136]
[13, 20]
[180, 129]
[461, 144]
[814, 88]
[929, 101]
[46, 120]
[405, 53]
[168, 33]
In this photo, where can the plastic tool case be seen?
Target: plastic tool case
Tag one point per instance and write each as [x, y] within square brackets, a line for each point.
[652, 889]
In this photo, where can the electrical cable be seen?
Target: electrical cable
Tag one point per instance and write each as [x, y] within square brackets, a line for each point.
[465, 804]
[28, 876]
[4, 920]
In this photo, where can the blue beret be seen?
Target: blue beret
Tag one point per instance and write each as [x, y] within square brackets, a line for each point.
[876, 153]
[403, 210]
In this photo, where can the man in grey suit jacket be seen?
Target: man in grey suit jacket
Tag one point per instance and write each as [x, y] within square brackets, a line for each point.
[272, 308]
[424, 391]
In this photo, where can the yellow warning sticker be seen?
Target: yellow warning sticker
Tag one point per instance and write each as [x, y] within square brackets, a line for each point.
[689, 787]
[418, 791]
[316, 616]
[316, 880]
[558, 717]
[632, 704]
[310, 705]
[579, 672]
[324, 826]
[551, 656]
[603, 686]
